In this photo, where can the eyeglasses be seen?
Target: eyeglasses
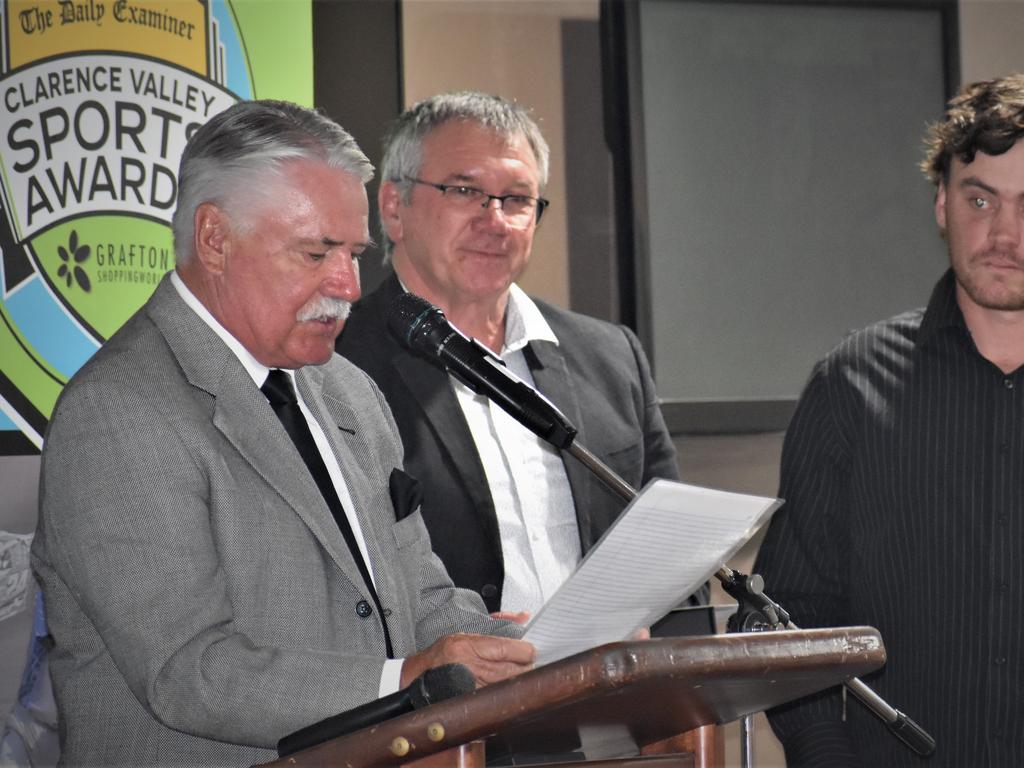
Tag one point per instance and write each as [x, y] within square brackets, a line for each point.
[520, 210]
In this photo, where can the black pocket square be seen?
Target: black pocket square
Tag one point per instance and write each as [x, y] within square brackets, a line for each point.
[406, 493]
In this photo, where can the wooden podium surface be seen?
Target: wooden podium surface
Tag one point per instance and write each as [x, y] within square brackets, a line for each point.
[649, 690]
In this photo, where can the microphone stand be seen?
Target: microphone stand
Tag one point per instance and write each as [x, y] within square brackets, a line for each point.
[756, 612]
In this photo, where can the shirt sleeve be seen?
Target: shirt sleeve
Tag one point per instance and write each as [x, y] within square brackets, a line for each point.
[803, 564]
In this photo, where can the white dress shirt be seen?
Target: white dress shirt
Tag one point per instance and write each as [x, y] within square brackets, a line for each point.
[540, 540]
[391, 675]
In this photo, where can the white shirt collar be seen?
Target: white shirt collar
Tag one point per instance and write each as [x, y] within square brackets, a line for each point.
[524, 322]
[257, 370]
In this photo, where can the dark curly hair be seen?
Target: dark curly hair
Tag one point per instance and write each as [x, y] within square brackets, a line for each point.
[986, 116]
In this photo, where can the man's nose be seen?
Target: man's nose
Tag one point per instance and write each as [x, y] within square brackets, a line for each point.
[342, 278]
[492, 215]
[1006, 227]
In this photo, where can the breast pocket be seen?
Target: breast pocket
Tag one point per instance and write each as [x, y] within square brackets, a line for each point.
[410, 531]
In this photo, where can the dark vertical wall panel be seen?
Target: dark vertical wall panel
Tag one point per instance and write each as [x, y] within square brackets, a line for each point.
[357, 80]
[593, 287]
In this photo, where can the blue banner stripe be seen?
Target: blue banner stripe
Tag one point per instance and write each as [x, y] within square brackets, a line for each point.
[48, 329]
[237, 75]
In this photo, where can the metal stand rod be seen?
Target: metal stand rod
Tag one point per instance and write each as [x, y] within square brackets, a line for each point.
[757, 612]
[603, 471]
[747, 741]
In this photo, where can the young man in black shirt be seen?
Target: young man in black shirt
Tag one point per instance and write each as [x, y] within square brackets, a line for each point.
[903, 474]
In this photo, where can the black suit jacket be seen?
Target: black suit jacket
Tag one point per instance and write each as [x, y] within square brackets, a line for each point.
[597, 375]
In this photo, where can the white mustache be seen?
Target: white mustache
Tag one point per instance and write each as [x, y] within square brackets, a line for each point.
[324, 308]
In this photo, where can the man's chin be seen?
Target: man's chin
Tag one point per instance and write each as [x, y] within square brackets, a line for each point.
[318, 347]
[319, 358]
[999, 295]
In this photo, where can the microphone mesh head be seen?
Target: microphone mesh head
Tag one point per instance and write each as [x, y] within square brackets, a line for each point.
[419, 325]
[406, 314]
[440, 683]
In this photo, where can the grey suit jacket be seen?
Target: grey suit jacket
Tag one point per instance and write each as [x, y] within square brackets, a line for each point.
[201, 599]
[598, 377]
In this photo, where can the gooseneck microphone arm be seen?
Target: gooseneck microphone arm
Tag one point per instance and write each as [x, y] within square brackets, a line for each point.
[423, 328]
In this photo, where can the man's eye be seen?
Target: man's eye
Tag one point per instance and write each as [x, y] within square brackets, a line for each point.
[317, 256]
[464, 191]
[979, 202]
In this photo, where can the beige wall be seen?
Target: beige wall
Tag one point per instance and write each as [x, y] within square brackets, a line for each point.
[990, 38]
[512, 49]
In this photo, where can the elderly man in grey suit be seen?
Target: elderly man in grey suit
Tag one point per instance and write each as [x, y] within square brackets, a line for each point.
[460, 202]
[212, 581]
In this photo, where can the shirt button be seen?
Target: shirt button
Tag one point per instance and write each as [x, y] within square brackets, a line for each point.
[363, 609]
[1001, 520]
[1003, 588]
[1000, 661]
[488, 590]
[1008, 383]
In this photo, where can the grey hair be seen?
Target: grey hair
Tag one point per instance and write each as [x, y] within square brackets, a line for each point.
[230, 160]
[403, 143]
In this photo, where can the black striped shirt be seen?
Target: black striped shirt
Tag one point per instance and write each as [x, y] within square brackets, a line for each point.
[903, 474]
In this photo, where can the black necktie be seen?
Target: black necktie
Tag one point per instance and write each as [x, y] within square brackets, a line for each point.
[281, 394]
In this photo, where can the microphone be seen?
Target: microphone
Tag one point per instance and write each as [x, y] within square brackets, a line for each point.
[434, 685]
[423, 328]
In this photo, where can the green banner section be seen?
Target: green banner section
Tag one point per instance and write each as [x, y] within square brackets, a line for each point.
[288, 32]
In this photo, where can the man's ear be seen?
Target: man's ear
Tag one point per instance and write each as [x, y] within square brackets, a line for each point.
[211, 237]
[940, 207]
[389, 200]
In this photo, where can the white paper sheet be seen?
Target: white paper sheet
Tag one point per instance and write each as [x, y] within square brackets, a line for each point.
[669, 540]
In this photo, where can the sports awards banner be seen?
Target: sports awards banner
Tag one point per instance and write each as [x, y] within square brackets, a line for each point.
[97, 100]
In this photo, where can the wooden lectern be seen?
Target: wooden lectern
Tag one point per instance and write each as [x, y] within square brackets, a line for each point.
[643, 691]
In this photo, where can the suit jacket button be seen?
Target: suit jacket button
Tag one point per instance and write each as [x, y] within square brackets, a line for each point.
[488, 590]
[363, 609]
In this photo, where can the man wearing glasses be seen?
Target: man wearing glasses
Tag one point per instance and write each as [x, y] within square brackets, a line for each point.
[461, 198]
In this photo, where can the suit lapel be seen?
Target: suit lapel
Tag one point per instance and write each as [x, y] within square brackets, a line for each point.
[247, 421]
[430, 387]
[242, 414]
[551, 376]
[341, 427]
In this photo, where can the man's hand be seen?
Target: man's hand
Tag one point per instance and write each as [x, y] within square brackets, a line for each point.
[519, 617]
[490, 659]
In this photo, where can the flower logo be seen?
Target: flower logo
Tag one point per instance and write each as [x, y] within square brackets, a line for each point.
[71, 271]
